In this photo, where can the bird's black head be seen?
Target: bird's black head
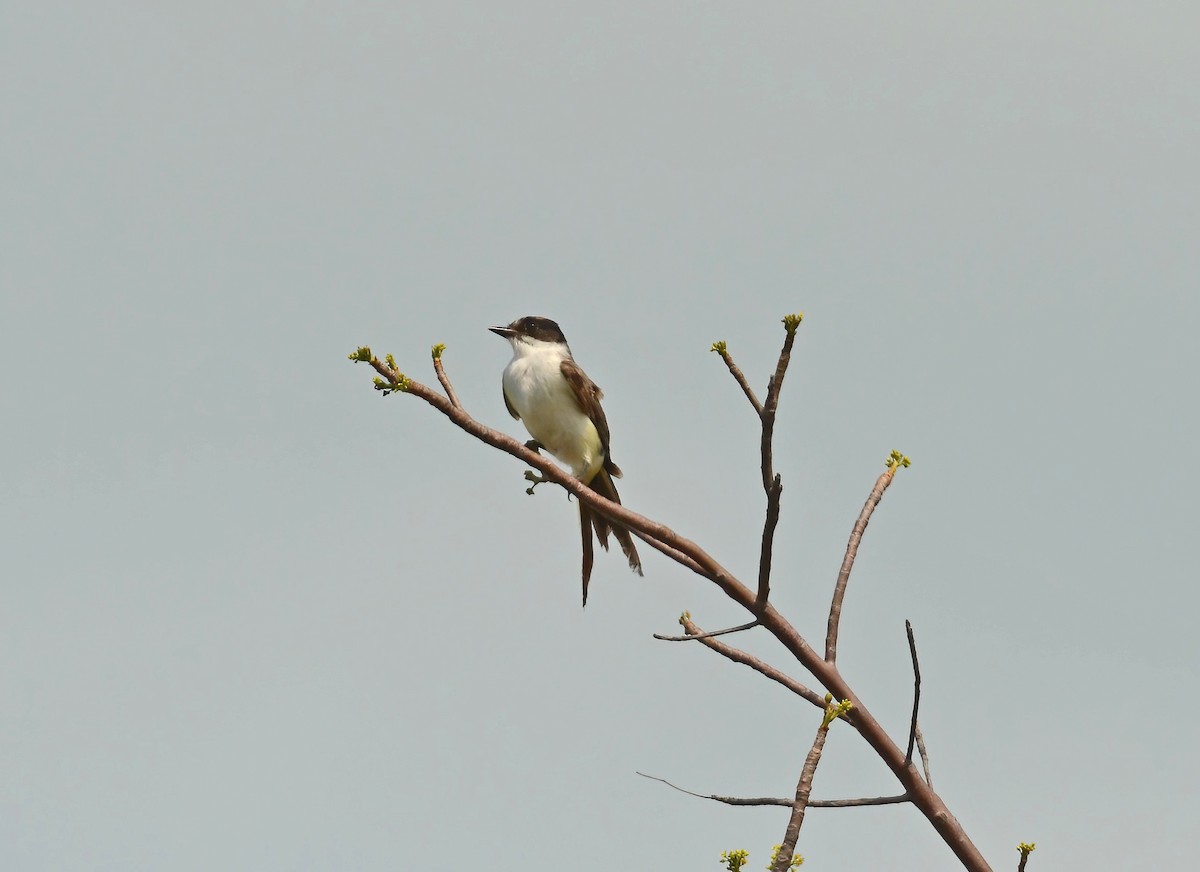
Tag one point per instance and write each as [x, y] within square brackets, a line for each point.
[534, 327]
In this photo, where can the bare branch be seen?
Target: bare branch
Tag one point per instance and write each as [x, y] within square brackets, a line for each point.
[701, 561]
[839, 592]
[442, 377]
[749, 625]
[825, 671]
[759, 666]
[676, 546]
[786, 803]
[790, 323]
[739, 376]
[912, 730]
[772, 484]
[787, 848]
[678, 556]
[861, 801]
[768, 544]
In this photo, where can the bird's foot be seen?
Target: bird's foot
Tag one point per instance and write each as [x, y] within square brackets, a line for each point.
[536, 447]
[532, 476]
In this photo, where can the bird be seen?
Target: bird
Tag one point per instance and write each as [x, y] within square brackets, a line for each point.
[559, 405]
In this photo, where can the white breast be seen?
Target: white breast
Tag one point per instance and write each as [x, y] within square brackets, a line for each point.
[534, 385]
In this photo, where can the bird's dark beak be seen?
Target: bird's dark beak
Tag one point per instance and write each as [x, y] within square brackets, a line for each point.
[506, 332]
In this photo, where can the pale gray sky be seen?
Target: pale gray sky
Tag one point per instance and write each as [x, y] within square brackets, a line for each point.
[257, 618]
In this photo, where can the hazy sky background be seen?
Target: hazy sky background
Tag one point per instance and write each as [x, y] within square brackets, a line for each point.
[254, 617]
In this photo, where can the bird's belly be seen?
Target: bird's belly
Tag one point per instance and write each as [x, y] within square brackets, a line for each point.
[552, 416]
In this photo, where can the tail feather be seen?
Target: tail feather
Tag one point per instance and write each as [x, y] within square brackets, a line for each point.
[585, 524]
[603, 485]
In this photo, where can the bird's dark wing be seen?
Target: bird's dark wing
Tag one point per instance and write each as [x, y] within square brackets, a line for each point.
[588, 395]
[509, 405]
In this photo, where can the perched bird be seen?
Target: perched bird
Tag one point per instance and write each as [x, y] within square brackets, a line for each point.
[546, 390]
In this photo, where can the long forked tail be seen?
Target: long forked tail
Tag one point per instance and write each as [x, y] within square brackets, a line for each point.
[589, 520]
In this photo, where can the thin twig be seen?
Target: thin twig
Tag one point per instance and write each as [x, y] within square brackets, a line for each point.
[912, 730]
[728, 800]
[738, 376]
[786, 803]
[759, 666]
[772, 484]
[924, 756]
[768, 544]
[443, 378]
[839, 592]
[860, 801]
[772, 402]
[1026, 850]
[750, 625]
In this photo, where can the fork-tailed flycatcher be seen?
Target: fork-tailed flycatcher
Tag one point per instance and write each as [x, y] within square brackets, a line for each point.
[560, 407]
